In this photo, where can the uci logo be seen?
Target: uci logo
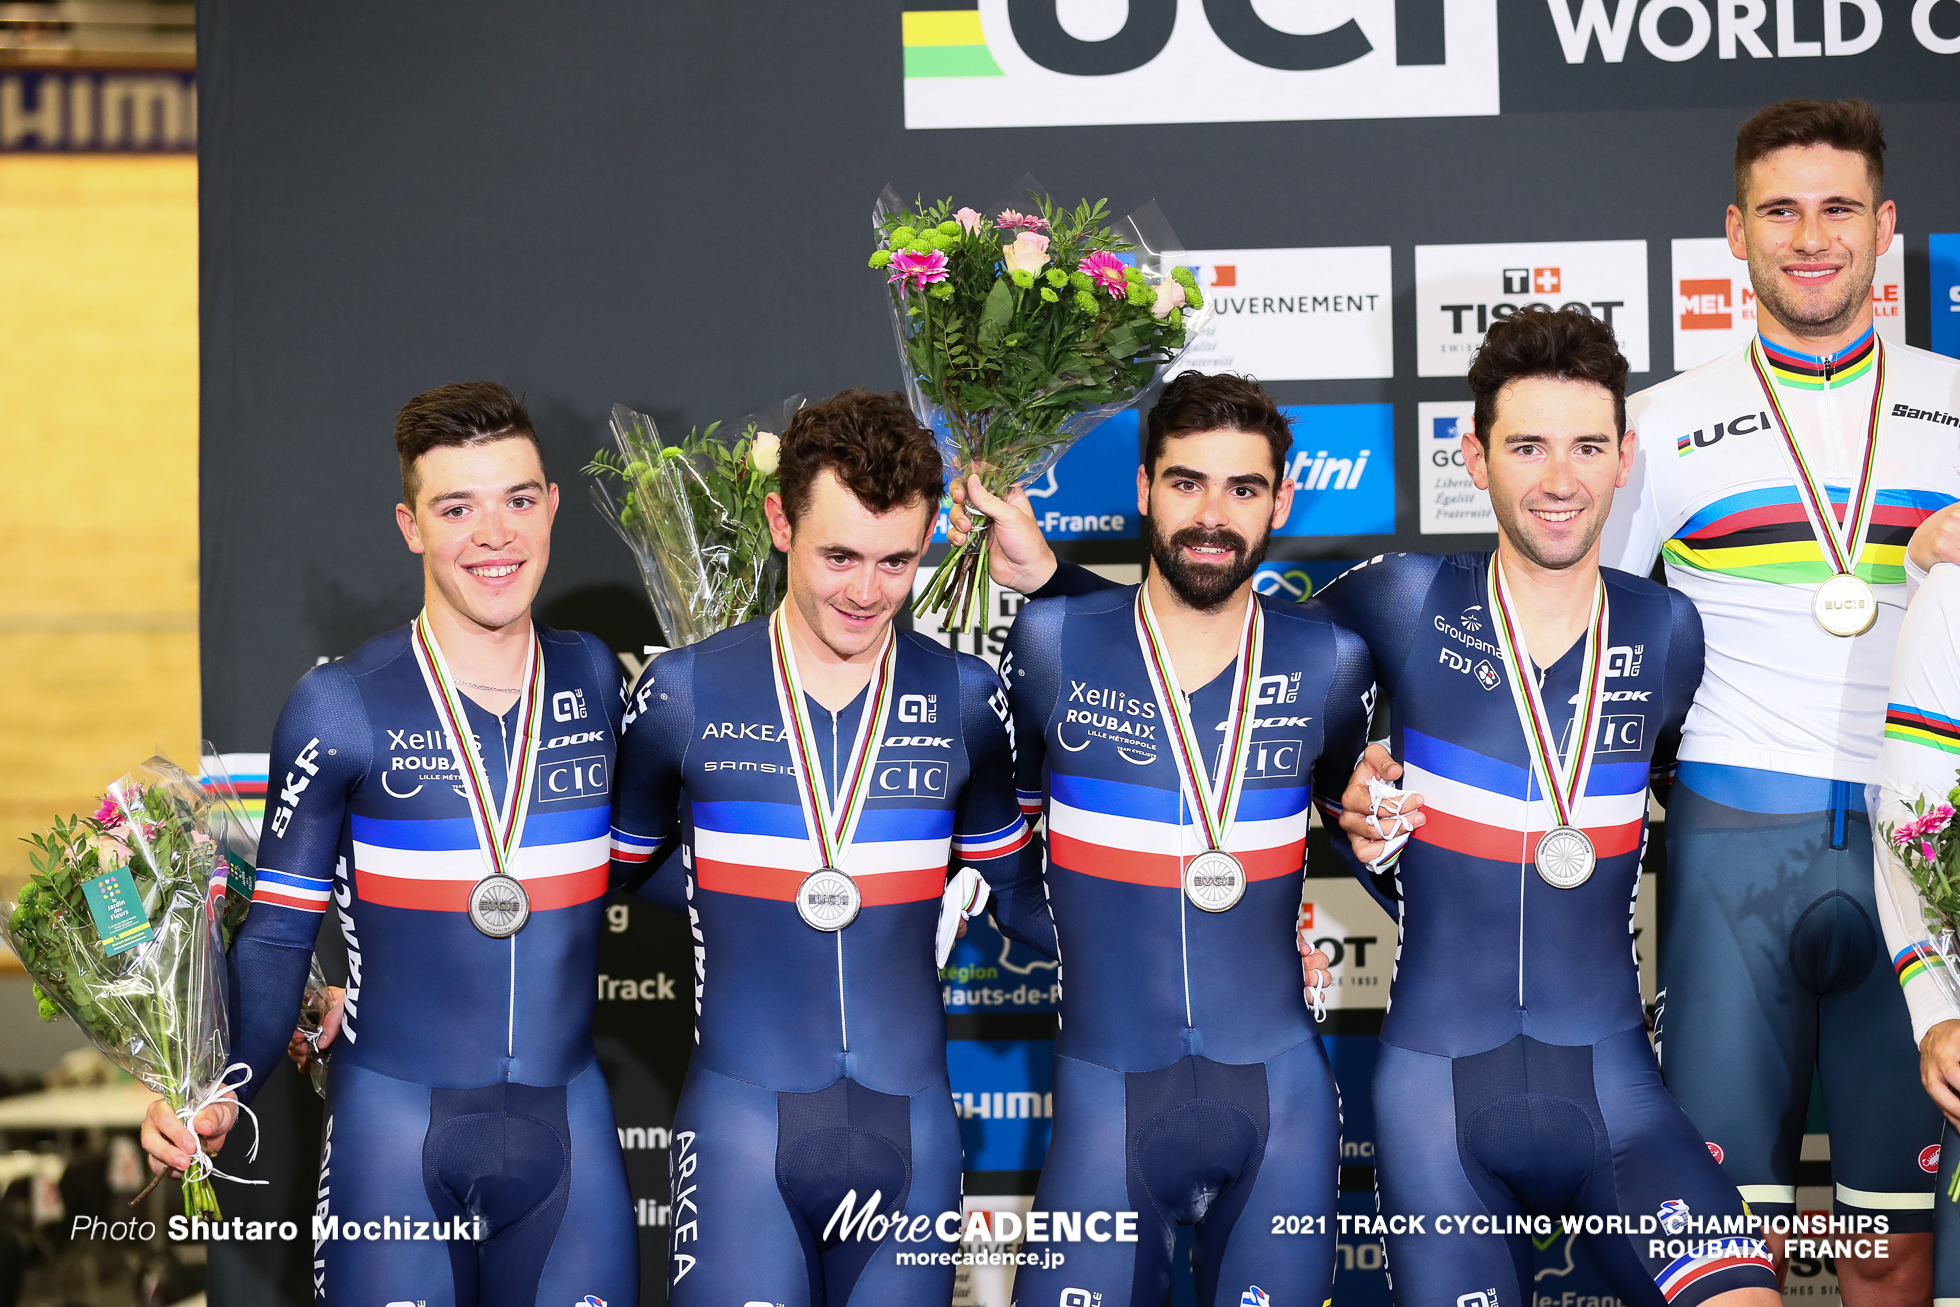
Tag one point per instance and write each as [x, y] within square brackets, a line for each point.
[918, 707]
[1046, 63]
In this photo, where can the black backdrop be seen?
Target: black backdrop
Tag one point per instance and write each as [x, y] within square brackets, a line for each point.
[667, 205]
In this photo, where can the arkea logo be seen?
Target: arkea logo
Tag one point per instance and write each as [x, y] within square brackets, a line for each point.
[1045, 63]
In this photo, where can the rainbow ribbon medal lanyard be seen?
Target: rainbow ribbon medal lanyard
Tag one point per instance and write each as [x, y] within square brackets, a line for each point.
[1565, 857]
[1844, 604]
[1214, 880]
[828, 899]
[499, 905]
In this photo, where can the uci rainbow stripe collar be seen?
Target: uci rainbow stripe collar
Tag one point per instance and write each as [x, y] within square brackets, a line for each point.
[1841, 545]
[1562, 779]
[831, 832]
[1216, 808]
[500, 833]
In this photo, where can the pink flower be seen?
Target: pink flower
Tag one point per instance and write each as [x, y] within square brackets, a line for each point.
[918, 270]
[106, 814]
[1926, 850]
[1028, 253]
[1106, 270]
[1009, 220]
[970, 219]
[1170, 296]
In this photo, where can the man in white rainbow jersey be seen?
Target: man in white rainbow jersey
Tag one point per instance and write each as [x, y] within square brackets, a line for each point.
[1782, 485]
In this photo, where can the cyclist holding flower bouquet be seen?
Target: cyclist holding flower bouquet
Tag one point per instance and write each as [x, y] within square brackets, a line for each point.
[470, 885]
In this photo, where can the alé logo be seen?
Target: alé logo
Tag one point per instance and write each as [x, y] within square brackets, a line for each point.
[1055, 63]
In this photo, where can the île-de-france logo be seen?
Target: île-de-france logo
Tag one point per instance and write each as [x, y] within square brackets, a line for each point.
[1046, 63]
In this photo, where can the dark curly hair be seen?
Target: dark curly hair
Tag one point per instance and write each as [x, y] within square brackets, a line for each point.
[463, 413]
[1533, 342]
[871, 443]
[1198, 401]
[1848, 125]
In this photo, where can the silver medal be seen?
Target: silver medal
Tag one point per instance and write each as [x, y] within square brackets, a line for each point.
[828, 900]
[499, 907]
[1214, 881]
[1565, 857]
[1845, 605]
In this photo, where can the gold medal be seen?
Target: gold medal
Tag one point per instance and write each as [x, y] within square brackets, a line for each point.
[1844, 605]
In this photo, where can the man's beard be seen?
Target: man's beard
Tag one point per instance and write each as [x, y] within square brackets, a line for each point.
[1511, 523]
[1831, 317]
[1205, 586]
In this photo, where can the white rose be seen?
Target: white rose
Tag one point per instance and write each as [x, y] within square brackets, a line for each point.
[766, 453]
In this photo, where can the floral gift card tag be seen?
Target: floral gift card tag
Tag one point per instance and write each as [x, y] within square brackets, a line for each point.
[120, 921]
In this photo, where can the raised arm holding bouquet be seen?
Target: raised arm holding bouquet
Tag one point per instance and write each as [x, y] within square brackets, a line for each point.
[1019, 332]
[123, 926]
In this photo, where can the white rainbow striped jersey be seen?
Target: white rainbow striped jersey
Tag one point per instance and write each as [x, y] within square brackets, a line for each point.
[1921, 760]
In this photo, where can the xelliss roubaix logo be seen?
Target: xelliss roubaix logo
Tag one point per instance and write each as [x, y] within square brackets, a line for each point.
[1041, 63]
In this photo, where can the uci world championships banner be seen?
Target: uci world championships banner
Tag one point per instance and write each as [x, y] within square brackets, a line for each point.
[1047, 63]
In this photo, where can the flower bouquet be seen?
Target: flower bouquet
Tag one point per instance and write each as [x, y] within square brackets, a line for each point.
[1920, 838]
[691, 512]
[123, 925]
[1019, 331]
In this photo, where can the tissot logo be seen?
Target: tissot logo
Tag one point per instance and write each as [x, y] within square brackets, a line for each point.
[1462, 289]
[1048, 63]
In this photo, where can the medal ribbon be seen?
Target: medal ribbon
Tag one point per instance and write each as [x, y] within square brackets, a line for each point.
[1563, 780]
[1843, 548]
[498, 833]
[831, 831]
[1217, 806]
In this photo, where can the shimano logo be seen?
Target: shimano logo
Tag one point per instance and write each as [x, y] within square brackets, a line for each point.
[918, 742]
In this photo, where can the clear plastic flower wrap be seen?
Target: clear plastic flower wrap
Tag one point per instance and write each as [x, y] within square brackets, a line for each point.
[1019, 330]
[313, 1004]
[1916, 842]
[123, 926]
[691, 512]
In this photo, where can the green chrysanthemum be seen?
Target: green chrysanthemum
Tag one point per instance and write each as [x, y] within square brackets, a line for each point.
[904, 235]
[880, 258]
[1141, 295]
[1050, 295]
[1080, 280]
[1055, 277]
[1185, 278]
[1193, 296]
[1021, 277]
[1085, 302]
[943, 291]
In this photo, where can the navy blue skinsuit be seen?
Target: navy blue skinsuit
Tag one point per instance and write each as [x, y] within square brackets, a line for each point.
[464, 1082]
[1191, 1086]
[818, 1093]
[1515, 1075]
